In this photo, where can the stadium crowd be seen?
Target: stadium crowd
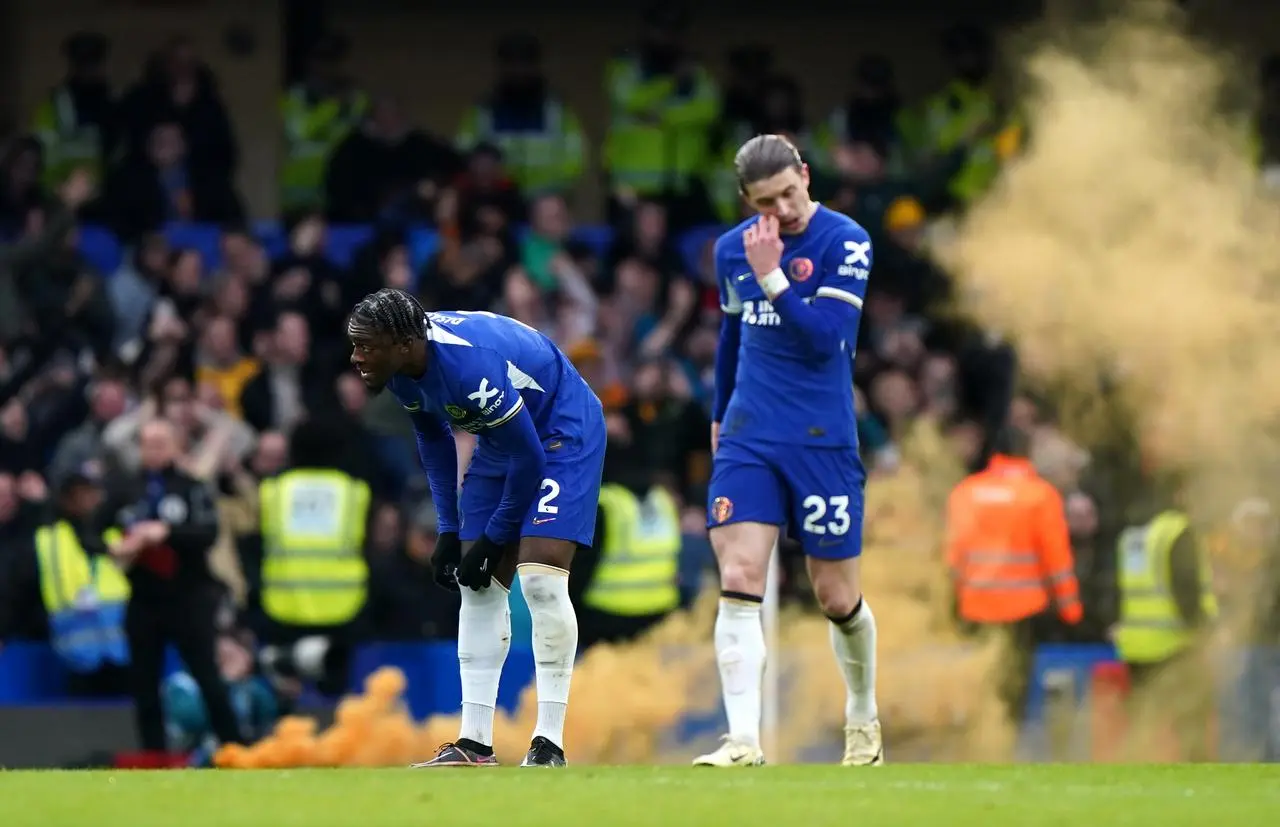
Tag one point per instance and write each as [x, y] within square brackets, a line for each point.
[232, 332]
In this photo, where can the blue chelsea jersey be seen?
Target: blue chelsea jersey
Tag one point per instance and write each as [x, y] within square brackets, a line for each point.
[781, 394]
[484, 368]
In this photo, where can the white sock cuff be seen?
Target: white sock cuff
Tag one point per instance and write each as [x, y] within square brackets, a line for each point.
[733, 607]
[534, 569]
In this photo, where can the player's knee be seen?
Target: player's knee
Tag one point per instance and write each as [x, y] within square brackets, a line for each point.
[742, 574]
[836, 596]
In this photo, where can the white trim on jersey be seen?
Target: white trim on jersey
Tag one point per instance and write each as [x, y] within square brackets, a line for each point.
[437, 333]
[842, 295]
[512, 411]
[733, 302]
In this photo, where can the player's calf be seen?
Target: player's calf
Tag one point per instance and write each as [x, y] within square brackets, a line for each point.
[742, 552]
[837, 585]
[544, 581]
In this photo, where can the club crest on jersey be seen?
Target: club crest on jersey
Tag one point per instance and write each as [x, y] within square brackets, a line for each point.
[721, 509]
[800, 269]
[760, 313]
[455, 412]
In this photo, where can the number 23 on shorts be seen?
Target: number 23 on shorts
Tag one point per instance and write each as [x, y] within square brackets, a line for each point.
[828, 515]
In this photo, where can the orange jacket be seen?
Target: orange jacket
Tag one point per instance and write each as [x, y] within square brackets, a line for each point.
[1008, 546]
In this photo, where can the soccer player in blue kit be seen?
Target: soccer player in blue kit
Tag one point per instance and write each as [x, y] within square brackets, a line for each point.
[528, 500]
[792, 280]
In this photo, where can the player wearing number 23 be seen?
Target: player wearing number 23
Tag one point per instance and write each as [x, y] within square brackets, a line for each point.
[788, 442]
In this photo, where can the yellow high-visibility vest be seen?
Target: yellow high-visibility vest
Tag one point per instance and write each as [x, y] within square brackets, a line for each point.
[1151, 629]
[312, 131]
[640, 558]
[84, 597]
[313, 567]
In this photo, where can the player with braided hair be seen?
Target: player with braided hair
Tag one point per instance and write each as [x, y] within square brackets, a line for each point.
[528, 500]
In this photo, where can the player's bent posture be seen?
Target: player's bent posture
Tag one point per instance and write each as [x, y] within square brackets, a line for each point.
[792, 280]
[528, 500]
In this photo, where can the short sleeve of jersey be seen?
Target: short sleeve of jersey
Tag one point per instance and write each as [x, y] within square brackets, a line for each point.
[483, 389]
[846, 265]
[730, 301]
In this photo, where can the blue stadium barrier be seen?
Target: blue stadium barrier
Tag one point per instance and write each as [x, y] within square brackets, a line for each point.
[32, 675]
[105, 252]
[1063, 665]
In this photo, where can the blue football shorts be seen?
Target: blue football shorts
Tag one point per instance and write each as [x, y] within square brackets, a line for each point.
[816, 491]
[568, 497]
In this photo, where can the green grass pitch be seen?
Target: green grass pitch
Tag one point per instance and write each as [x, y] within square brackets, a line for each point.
[814, 796]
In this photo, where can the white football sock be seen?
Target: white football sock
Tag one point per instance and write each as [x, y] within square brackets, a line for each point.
[854, 643]
[740, 653]
[555, 644]
[484, 636]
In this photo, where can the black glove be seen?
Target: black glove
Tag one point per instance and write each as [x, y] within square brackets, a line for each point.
[444, 562]
[478, 564]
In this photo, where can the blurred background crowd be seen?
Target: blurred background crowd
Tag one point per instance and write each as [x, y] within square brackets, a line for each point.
[162, 337]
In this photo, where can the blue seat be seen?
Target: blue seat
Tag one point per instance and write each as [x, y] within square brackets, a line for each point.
[205, 239]
[101, 248]
[273, 238]
[599, 237]
[422, 245]
[345, 240]
[691, 243]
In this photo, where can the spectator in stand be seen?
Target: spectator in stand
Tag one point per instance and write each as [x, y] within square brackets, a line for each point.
[872, 114]
[305, 281]
[292, 381]
[663, 111]
[317, 112]
[135, 287]
[108, 397]
[647, 239]
[400, 574]
[534, 129]
[77, 122]
[163, 183]
[221, 363]
[387, 171]
[21, 170]
[664, 431]
[178, 88]
[54, 293]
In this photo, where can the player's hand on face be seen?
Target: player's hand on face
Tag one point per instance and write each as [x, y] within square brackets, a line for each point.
[478, 564]
[763, 246]
[445, 560]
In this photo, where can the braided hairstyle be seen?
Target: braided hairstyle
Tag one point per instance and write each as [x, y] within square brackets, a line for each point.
[396, 313]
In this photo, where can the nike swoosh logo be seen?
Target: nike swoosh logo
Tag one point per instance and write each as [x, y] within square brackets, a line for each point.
[413, 406]
[746, 276]
[537, 521]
